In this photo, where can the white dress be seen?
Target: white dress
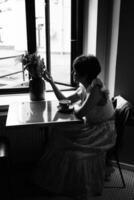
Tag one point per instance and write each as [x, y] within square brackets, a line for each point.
[74, 160]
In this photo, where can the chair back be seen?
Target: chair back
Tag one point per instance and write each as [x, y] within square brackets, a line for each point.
[121, 117]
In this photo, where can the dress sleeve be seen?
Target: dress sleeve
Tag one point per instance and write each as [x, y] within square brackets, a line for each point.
[81, 92]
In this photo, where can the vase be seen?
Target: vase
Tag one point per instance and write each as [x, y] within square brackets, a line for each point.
[37, 89]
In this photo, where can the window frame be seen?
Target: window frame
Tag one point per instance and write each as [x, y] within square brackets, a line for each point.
[77, 11]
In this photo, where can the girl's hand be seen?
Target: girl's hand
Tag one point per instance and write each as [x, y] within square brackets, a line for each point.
[47, 76]
[76, 110]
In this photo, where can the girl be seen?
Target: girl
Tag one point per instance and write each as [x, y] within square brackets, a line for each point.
[74, 160]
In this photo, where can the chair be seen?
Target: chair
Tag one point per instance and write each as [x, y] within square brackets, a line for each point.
[121, 116]
[4, 168]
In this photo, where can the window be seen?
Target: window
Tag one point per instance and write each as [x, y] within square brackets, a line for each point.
[51, 27]
[61, 36]
[12, 43]
[60, 45]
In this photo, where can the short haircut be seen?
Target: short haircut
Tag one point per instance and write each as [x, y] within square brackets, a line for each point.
[87, 65]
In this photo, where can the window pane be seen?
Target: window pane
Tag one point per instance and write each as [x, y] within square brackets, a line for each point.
[40, 28]
[12, 42]
[60, 32]
[60, 37]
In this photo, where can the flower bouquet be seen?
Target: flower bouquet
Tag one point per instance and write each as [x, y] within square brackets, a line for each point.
[34, 64]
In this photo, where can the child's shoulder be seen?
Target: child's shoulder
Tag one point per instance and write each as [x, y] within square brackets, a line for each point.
[97, 82]
[81, 91]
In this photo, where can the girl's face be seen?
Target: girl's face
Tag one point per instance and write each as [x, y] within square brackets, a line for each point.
[80, 79]
[76, 77]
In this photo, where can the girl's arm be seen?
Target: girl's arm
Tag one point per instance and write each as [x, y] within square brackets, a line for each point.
[74, 97]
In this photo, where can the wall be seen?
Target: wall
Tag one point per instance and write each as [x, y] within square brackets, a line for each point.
[125, 58]
[126, 153]
[107, 40]
[124, 79]
[115, 34]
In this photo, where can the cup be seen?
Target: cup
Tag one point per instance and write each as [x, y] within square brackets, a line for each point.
[64, 104]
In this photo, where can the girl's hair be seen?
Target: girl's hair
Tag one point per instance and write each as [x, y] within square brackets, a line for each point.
[87, 65]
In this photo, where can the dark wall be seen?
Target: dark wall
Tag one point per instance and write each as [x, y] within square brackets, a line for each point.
[127, 151]
[124, 82]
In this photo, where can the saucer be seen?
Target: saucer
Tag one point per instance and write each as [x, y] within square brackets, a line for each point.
[68, 110]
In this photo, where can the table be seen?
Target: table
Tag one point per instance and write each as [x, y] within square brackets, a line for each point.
[38, 113]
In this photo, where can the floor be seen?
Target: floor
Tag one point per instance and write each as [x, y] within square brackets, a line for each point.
[113, 189]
